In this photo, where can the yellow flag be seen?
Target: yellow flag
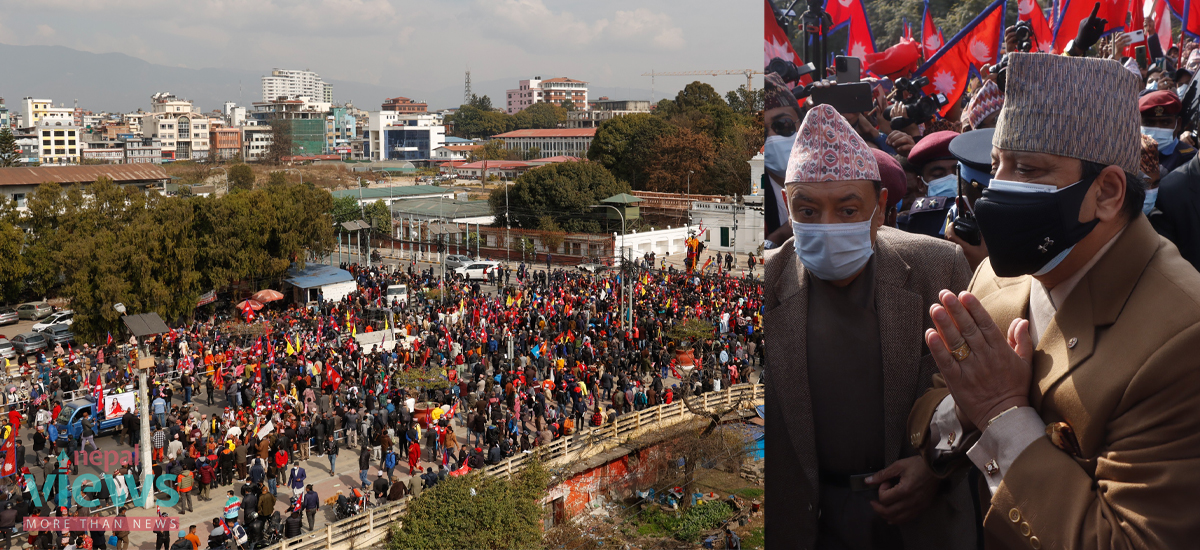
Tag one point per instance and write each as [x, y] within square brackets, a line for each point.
[290, 349]
[294, 392]
[510, 302]
[354, 331]
[386, 326]
[297, 343]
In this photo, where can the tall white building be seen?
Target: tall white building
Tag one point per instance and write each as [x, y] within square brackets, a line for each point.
[554, 90]
[182, 131]
[293, 84]
[38, 111]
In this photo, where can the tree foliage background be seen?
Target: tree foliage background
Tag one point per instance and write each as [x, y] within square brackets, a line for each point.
[697, 131]
[103, 244]
[502, 513]
[558, 197]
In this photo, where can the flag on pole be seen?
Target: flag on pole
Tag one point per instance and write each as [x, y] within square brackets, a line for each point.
[931, 37]
[109, 341]
[906, 30]
[776, 41]
[290, 350]
[1162, 22]
[1029, 10]
[852, 13]
[977, 44]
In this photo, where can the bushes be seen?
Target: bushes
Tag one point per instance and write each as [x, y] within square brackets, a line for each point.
[686, 526]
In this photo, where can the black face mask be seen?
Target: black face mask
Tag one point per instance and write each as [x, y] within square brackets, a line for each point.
[1025, 231]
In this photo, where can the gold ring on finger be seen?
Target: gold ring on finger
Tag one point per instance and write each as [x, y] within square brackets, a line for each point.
[961, 352]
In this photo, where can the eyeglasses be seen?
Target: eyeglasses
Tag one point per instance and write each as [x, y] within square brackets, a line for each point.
[784, 126]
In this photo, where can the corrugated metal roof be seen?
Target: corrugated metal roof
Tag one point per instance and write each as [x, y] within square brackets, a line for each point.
[448, 209]
[399, 191]
[317, 275]
[120, 173]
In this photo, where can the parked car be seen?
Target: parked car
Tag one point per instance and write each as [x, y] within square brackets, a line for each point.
[29, 342]
[9, 315]
[34, 311]
[59, 334]
[6, 349]
[455, 261]
[61, 317]
[476, 270]
[399, 293]
[592, 268]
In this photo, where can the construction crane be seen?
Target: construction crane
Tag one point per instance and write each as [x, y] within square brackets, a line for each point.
[748, 72]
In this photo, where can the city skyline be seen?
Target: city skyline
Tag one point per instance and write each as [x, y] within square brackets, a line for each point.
[421, 49]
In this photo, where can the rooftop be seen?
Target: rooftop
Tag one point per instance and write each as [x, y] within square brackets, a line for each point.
[401, 191]
[317, 275]
[449, 209]
[461, 147]
[120, 173]
[563, 79]
[553, 132]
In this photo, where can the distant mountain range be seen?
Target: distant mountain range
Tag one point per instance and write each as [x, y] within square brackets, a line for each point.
[116, 82]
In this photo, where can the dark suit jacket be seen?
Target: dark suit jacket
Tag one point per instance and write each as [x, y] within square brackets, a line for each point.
[1179, 204]
[909, 272]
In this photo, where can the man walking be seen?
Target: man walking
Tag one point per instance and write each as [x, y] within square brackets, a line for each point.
[310, 503]
[296, 479]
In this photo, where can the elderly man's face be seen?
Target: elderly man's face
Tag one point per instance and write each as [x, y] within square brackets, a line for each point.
[837, 202]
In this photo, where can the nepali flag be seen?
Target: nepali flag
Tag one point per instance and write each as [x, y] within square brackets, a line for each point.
[248, 311]
[777, 44]
[1075, 11]
[931, 36]
[977, 44]
[1162, 22]
[334, 377]
[860, 42]
[1043, 36]
[100, 395]
[906, 30]
[109, 341]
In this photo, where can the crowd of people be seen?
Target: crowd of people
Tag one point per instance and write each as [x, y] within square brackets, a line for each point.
[295, 385]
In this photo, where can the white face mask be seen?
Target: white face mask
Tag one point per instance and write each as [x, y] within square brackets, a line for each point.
[1162, 136]
[945, 186]
[834, 251]
[776, 152]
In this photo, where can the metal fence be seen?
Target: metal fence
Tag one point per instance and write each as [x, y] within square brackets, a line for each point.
[372, 526]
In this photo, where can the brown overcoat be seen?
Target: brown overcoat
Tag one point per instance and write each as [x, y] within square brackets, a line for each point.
[1120, 363]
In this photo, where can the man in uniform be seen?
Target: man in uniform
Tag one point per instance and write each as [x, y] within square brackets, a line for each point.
[973, 151]
[1160, 117]
[845, 303]
[934, 165]
[1068, 373]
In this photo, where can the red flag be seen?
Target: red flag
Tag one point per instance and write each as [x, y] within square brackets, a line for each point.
[906, 30]
[10, 452]
[1162, 25]
[100, 396]
[852, 13]
[776, 41]
[931, 36]
[247, 310]
[109, 342]
[975, 45]
[1029, 10]
[1075, 11]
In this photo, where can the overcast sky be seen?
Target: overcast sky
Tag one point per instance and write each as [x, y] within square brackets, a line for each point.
[423, 45]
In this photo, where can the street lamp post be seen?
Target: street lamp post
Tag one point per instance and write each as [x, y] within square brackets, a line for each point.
[624, 274]
[296, 171]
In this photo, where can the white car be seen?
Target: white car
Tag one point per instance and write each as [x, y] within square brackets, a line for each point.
[476, 270]
[60, 318]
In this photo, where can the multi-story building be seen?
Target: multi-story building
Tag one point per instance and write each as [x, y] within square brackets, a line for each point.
[226, 143]
[454, 152]
[256, 140]
[4, 121]
[604, 109]
[404, 105]
[27, 140]
[105, 152]
[182, 131]
[37, 109]
[59, 143]
[294, 84]
[555, 90]
[572, 142]
[305, 121]
[341, 128]
[143, 151]
[395, 136]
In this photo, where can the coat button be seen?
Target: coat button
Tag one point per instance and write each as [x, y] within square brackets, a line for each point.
[1025, 530]
[1071, 343]
[1014, 515]
[1035, 543]
[916, 439]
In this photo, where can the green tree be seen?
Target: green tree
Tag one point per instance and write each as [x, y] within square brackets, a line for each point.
[281, 142]
[477, 119]
[563, 191]
[277, 177]
[540, 116]
[533, 153]
[700, 108]
[483, 103]
[623, 145]
[501, 513]
[568, 105]
[10, 152]
[380, 217]
[345, 209]
[744, 101]
[241, 177]
[491, 150]
[12, 264]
